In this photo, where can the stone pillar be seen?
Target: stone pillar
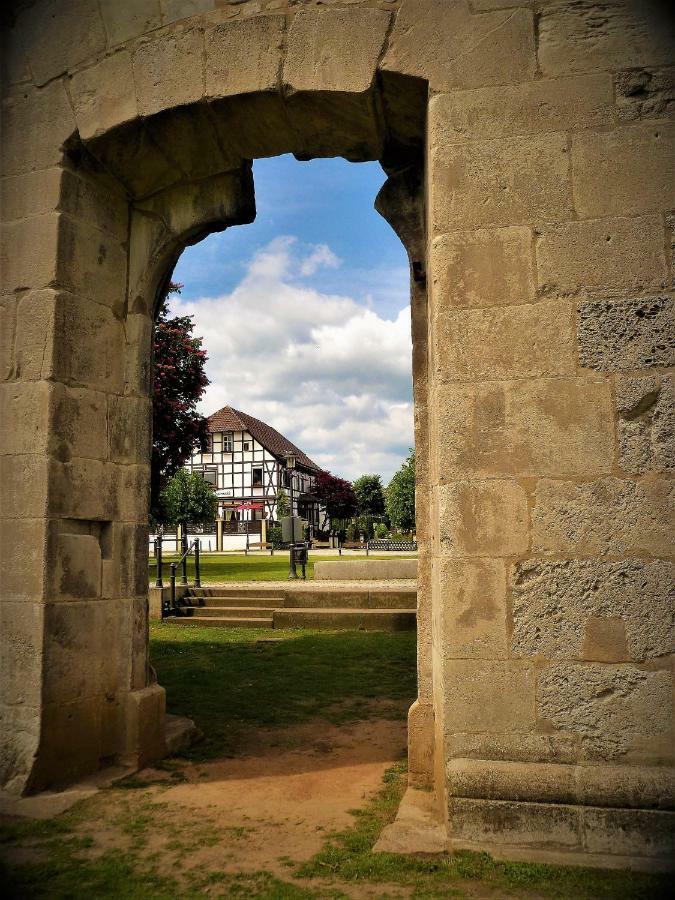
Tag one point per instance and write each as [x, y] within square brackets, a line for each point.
[263, 531]
[550, 390]
[219, 534]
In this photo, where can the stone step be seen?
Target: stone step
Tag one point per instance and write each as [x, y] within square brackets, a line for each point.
[220, 600]
[346, 618]
[223, 621]
[365, 569]
[245, 612]
[322, 596]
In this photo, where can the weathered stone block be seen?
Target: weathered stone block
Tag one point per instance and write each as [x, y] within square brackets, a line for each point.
[533, 107]
[328, 75]
[601, 255]
[487, 267]
[486, 695]
[76, 573]
[444, 43]
[24, 408]
[88, 339]
[561, 427]
[24, 486]
[145, 711]
[132, 156]
[646, 424]
[558, 608]
[509, 824]
[19, 740]
[14, 69]
[21, 625]
[99, 202]
[90, 262]
[226, 199]
[178, 131]
[473, 595]
[637, 161]
[129, 425]
[35, 126]
[487, 518]
[22, 559]
[139, 615]
[71, 743]
[254, 125]
[334, 49]
[175, 10]
[522, 341]
[645, 93]
[133, 490]
[78, 640]
[124, 21]
[643, 832]
[30, 194]
[585, 35]
[103, 95]
[245, 56]
[513, 181]
[138, 367]
[29, 252]
[59, 34]
[491, 780]
[8, 307]
[629, 334]
[609, 516]
[86, 488]
[613, 710]
[79, 423]
[169, 70]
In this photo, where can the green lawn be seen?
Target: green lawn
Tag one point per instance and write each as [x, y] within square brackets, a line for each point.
[217, 568]
[298, 676]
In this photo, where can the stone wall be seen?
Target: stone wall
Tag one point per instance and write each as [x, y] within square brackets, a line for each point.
[529, 152]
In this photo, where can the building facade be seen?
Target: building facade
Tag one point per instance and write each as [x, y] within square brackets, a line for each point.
[247, 462]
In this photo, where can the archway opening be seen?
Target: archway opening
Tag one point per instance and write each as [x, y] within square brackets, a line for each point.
[305, 316]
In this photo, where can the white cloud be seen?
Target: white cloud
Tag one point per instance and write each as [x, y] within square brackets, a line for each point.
[320, 257]
[328, 372]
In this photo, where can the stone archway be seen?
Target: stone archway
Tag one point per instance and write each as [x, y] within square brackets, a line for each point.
[535, 203]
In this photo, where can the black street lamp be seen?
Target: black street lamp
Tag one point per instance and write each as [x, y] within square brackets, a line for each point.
[290, 468]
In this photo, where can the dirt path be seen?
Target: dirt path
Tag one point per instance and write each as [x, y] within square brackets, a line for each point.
[286, 789]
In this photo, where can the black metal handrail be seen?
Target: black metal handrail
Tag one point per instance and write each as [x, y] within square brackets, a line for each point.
[171, 606]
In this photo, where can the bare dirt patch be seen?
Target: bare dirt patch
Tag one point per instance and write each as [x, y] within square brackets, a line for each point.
[285, 791]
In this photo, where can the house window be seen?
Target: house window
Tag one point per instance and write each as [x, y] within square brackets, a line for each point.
[247, 446]
[210, 476]
[257, 478]
[227, 442]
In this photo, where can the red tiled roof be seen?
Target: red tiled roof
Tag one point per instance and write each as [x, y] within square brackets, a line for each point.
[229, 419]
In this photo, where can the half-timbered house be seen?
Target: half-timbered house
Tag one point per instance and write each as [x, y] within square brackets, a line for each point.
[247, 462]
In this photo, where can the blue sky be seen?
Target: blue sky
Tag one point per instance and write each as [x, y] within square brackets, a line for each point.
[305, 315]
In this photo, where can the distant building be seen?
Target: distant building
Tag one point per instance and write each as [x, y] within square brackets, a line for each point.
[246, 464]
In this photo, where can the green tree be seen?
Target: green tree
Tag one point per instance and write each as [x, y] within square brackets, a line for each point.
[187, 497]
[400, 496]
[283, 504]
[369, 495]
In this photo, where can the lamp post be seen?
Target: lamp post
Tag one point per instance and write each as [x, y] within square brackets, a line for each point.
[290, 468]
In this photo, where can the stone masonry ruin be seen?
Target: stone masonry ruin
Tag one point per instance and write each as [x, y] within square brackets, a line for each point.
[529, 155]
